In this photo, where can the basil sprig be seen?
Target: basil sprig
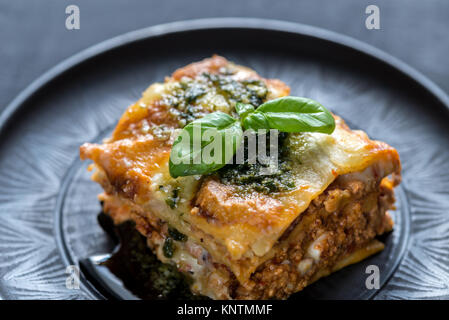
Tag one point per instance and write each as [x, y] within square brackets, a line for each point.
[195, 140]
[286, 114]
[289, 114]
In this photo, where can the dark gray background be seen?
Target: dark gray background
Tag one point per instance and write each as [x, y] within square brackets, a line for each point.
[33, 36]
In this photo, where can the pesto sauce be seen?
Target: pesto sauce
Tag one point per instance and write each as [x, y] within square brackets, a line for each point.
[168, 248]
[245, 91]
[192, 98]
[176, 235]
[247, 177]
[172, 202]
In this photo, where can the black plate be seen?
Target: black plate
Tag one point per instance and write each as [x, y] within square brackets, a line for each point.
[48, 205]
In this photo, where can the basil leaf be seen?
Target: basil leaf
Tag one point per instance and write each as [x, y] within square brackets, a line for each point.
[205, 145]
[291, 114]
[256, 121]
[244, 109]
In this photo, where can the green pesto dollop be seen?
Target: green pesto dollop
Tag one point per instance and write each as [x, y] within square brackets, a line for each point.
[172, 201]
[247, 177]
[176, 235]
[168, 248]
[190, 99]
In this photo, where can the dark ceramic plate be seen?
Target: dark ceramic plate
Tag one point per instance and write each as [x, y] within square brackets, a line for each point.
[48, 205]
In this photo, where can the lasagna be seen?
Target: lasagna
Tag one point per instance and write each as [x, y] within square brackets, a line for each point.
[237, 234]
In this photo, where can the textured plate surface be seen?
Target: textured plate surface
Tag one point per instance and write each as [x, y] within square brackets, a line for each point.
[48, 205]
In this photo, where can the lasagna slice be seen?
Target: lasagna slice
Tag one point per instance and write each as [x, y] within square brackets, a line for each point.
[240, 235]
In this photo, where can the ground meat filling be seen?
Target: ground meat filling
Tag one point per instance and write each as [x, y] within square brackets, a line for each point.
[346, 217]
